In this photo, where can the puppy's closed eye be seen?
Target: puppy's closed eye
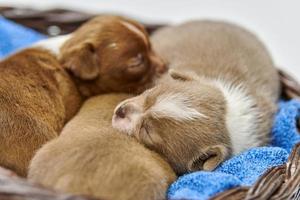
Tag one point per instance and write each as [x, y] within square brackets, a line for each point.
[149, 136]
[136, 61]
[137, 65]
[144, 133]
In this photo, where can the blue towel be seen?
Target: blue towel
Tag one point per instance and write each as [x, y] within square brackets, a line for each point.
[285, 134]
[14, 36]
[241, 170]
[244, 169]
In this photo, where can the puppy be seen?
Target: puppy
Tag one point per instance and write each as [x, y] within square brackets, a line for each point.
[90, 158]
[38, 96]
[111, 54]
[218, 101]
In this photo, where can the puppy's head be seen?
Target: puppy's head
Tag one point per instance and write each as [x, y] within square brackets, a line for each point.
[111, 54]
[182, 119]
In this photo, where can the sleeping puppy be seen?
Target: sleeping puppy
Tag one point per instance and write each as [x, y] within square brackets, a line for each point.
[218, 100]
[111, 54]
[38, 96]
[90, 158]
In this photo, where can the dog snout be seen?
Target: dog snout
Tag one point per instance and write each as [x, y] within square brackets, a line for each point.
[121, 112]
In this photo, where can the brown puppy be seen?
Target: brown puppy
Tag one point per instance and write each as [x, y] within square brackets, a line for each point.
[106, 54]
[224, 106]
[90, 158]
[37, 97]
[111, 53]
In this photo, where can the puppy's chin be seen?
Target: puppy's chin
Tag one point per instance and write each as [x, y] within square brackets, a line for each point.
[122, 125]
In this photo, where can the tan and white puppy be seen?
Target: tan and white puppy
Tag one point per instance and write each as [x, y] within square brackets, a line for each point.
[38, 96]
[218, 101]
[90, 158]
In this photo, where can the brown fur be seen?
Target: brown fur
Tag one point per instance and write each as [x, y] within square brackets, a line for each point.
[90, 158]
[105, 56]
[214, 51]
[37, 97]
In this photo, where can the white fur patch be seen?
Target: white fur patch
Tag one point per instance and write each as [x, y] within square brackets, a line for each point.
[241, 117]
[175, 106]
[53, 44]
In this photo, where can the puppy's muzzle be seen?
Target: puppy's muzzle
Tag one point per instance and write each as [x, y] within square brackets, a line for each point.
[121, 112]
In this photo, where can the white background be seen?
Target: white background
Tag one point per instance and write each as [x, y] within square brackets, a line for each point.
[276, 22]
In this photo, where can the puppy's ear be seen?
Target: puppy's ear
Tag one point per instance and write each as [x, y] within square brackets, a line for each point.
[83, 62]
[183, 76]
[208, 159]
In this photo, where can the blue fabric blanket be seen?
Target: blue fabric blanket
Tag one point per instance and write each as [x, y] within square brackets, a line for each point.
[14, 36]
[241, 170]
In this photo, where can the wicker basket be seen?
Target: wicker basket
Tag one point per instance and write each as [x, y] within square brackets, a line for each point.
[280, 182]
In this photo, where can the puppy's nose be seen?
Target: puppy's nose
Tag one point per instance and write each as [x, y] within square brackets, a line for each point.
[121, 112]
